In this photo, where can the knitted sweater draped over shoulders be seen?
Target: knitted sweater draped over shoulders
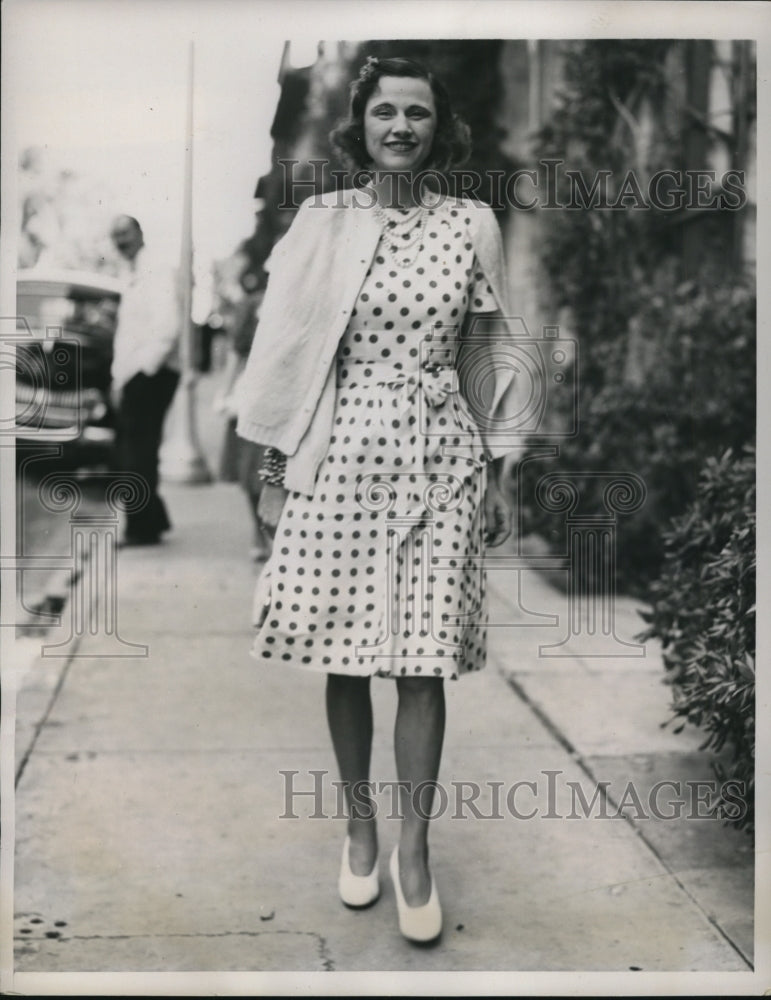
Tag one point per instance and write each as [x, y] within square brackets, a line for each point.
[287, 391]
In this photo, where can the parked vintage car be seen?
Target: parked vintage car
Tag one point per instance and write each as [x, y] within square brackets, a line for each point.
[64, 334]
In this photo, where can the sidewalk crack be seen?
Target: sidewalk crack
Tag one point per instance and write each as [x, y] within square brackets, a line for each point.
[553, 729]
[38, 727]
[322, 944]
[189, 934]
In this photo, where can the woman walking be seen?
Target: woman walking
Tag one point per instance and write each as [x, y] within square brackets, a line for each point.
[383, 464]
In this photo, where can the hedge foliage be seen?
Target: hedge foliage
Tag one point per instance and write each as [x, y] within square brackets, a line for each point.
[696, 399]
[667, 384]
[666, 374]
[704, 613]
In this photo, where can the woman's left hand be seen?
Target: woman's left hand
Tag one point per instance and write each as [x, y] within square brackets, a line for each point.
[497, 516]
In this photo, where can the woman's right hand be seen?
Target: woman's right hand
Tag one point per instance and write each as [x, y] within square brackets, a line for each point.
[271, 503]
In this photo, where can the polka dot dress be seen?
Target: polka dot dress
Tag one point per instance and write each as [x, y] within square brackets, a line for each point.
[380, 572]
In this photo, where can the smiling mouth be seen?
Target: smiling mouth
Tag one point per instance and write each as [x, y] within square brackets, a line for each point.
[401, 147]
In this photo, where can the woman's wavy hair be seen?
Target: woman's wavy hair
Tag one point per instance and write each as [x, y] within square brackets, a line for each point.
[452, 139]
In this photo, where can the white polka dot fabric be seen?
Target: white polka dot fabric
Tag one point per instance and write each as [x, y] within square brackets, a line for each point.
[379, 573]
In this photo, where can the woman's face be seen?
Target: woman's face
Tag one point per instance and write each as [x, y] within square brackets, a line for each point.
[399, 123]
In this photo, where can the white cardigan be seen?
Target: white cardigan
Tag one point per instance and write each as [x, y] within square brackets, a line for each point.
[286, 394]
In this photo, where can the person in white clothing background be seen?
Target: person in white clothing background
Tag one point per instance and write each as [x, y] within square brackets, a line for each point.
[145, 372]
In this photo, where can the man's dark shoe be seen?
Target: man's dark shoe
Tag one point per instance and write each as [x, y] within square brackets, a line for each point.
[134, 541]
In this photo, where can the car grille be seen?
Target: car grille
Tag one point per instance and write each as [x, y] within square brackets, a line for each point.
[42, 407]
[69, 399]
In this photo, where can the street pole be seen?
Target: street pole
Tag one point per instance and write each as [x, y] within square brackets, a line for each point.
[183, 461]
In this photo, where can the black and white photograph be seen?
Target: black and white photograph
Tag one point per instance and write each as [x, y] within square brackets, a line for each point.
[379, 481]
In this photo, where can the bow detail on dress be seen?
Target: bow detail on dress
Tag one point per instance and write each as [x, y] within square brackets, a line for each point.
[438, 382]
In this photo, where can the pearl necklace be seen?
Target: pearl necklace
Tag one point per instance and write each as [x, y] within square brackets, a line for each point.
[402, 233]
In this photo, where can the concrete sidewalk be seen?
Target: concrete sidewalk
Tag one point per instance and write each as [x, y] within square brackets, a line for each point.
[148, 829]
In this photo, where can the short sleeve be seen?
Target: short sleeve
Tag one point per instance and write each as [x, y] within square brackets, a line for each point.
[480, 295]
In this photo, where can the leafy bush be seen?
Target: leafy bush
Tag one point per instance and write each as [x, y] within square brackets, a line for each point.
[666, 382]
[695, 398]
[667, 366]
[598, 262]
[704, 614]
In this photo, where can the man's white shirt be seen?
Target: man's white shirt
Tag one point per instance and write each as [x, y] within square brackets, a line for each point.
[147, 333]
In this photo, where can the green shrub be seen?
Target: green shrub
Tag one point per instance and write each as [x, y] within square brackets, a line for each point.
[667, 366]
[704, 614]
[666, 382]
[694, 397]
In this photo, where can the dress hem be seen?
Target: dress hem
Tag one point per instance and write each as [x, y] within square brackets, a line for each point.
[314, 668]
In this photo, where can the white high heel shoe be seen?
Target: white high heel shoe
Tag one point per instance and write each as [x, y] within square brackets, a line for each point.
[417, 923]
[357, 891]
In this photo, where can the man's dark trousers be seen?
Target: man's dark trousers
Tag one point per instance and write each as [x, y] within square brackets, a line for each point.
[143, 406]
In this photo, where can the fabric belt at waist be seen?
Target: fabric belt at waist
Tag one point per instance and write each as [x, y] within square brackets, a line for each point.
[437, 381]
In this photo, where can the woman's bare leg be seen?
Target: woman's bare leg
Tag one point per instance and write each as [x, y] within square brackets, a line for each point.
[349, 714]
[418, 738]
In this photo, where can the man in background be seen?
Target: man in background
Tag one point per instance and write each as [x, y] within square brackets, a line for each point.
[145, 371]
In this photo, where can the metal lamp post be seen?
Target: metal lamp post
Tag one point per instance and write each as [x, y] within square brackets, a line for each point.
[183, 461]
